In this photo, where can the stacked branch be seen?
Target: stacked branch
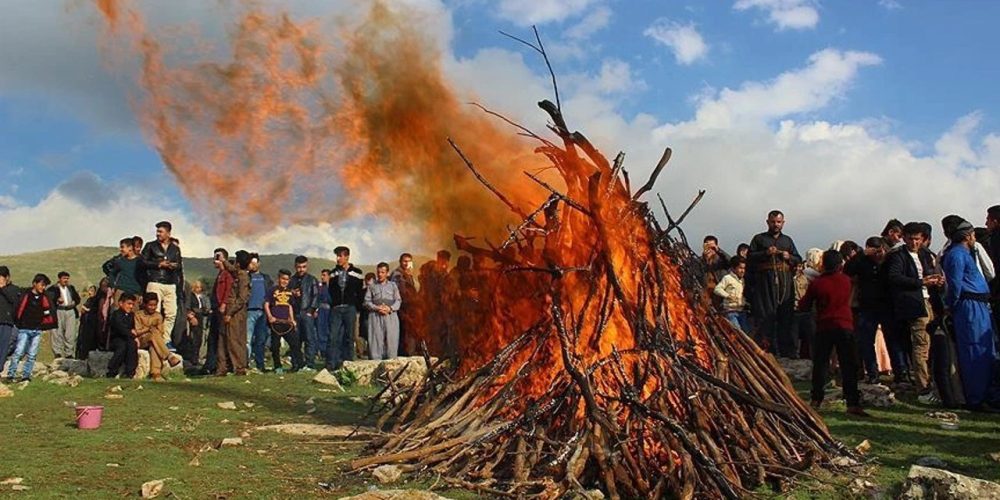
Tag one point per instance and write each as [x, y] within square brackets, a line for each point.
[601, 365]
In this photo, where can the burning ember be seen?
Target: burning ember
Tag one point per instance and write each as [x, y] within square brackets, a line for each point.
[589, 358]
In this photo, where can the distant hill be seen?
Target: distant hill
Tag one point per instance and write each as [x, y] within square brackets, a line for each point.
[84, 265]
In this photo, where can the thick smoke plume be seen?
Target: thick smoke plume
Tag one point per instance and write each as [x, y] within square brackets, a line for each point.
[289, 123]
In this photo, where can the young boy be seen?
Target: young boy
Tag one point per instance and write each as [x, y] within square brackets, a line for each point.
[280, 308]
[149, 335]
[35, 314]
[831, 294]
[730, 289]
[122, 335]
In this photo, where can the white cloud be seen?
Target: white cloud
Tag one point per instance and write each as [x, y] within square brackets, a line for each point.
[827, 75]
[890, 4]
[593, 22]
[684, 40]
[43, 226]
[616, 77]
[528, 12]
[785, 14]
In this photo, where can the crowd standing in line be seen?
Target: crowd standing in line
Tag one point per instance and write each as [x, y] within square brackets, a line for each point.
[934, 314]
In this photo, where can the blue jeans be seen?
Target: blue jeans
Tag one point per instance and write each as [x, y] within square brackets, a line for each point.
[27, 341]
[307, 337]
[8, 337]
[257, 335]
[739, 320]
[341, 346]
[323, 329]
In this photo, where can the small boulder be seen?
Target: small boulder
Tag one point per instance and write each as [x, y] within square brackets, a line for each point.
[228, 405]
[933, 462]
[229, 442]
[72, 366]
[326, 378]
[97, 363]
[152, 489]
[5, 391]
[929, 483]
[362, 370]
[57, 374]
[387, 474]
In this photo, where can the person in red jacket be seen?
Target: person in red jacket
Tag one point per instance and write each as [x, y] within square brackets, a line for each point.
[831, 294]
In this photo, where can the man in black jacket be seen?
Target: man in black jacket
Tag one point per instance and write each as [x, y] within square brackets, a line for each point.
[874, 308]
[908, 270]
[162, 261]
[66, 299]
[9, 295]
[346, 293]
[306, 290]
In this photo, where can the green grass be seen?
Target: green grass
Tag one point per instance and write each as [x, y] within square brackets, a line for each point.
[149, 441]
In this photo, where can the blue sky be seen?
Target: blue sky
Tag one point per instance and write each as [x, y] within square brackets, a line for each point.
[906, 101]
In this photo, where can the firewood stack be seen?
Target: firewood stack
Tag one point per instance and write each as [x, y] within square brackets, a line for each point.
[598, 364]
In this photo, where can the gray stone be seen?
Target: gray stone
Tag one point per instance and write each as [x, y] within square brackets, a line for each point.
[387, 474]
[929, 483]
[934, 462]
[362, 370]
[97, 363]
[71, 366]
[377, 372]
[797, 369]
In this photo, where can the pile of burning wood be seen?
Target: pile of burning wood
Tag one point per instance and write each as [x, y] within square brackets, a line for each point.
[597, 363]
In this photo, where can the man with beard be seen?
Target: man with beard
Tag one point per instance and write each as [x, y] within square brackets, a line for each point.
[306, 290]
[233, 343]
[772, 259]
[967, 300]
[402, 276]
[66, 298]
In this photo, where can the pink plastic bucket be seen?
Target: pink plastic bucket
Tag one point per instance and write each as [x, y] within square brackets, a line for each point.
[89, 417]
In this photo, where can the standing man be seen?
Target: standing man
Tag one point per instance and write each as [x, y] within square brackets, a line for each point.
[323, 313]
[199, 308]
[909, 271]
[715, 263]
[257, 331]
[232, 342]
[162, 261]
[402, 276]
[992, 245]
[893, 234]
[9, 297]
[967, 300]
[220, 295]
[306, 290]
[346, 295]
[874, 308]
[66, 299]
[772, 259]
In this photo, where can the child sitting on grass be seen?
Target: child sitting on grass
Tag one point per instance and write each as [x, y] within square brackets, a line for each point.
[831, 293]
[149, 335]
[34, 315]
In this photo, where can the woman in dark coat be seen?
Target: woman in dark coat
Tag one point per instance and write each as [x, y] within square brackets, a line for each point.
[94, 321]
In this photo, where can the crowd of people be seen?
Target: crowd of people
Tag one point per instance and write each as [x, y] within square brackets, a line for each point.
[144, 302]
[932, 315]
[892, 306]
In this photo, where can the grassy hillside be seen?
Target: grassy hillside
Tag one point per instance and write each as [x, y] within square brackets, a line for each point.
[84, 264]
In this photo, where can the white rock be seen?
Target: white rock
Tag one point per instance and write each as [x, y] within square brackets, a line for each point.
[5, 392]
[797, 369]
[326, 378]
[929, 483]
[387, 474]
[228, 405]
[152, 489]
[227, 442]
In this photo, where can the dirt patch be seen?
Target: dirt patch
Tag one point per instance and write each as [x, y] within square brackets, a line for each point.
[317, 430]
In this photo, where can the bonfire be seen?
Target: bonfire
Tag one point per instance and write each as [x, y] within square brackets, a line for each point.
[598, 364]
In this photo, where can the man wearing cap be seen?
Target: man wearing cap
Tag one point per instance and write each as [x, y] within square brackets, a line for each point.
[967, 299]
[66, 299]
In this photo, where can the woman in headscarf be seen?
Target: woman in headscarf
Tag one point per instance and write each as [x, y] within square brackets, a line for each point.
[94, 321]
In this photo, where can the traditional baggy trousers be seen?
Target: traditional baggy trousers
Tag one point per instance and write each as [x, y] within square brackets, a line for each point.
[975, 348]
